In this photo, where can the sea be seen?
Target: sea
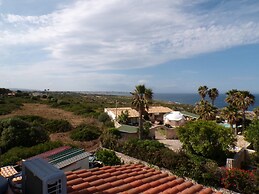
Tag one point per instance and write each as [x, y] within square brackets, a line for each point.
[193, 98]
[183, 98]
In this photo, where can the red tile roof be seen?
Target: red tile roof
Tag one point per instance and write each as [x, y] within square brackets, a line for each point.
[129, 179]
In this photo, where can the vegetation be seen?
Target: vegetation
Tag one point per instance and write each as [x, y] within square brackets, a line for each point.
[213, 94]
[109, 139]
[142, 97]
[18, 153]
[240, 100]
[252, 134]
[104, 117]
[203, 90]
[206, 110]
[108, 157]
[56, 126]
[232, 115]
[16, 132]
[239, 180]
[206, 138]
[86, 132]
[198, 168]
[124, 117]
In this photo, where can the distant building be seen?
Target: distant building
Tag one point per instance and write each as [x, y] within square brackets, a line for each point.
[155, 113]
[174, 119]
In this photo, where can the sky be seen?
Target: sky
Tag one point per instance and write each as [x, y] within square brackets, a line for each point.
[114, 45]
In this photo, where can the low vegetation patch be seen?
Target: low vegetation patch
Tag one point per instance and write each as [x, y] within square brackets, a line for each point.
[17, 132]
[86, 132]
[56, 126]
[108, 157]
[16, 154]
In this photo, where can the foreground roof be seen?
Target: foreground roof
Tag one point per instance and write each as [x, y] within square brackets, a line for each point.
[129, 179]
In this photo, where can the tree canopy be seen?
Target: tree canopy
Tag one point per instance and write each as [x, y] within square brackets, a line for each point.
[252, 134]
[16, 132]
[206, 138]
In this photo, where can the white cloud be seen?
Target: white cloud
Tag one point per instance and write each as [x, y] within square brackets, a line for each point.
[89, 36]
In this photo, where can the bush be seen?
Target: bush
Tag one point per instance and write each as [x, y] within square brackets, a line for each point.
[108, 157]
[206, 138]
[32, 119]
[198, 168]
[109, 139]
[104, 117]
[18, 153]
[55, 126]
[85, 132]
[252, 134]
[16, 132]
[239, 180]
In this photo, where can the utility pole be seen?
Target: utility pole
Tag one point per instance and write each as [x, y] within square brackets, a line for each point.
[116, 110]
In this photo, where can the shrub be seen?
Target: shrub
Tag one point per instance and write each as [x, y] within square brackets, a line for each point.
[206, 138]
[16, 132]
[252, 134]
[109, 139]
[108, 157]
[18, 153]
[115, 132]
[55, 126]
[32, 119]
[85, 132]
[239, 180]
[104, 117]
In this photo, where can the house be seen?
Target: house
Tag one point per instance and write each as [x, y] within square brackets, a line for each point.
[155, 113]
[174, 119]
[66, 158]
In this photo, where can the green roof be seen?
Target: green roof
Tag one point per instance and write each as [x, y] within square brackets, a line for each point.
[128, 129]
[67, 156]
[189, 114]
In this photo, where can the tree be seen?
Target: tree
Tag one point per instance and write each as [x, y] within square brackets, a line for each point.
[252, 134]
[16, 132]
[124, 117]
[206, 138]
[203, 90]
[205, 110]
[108, 157]
[142, 97]
[231, 114]
[104, 117]
[213, 94]
[241, 100]
[256, 111]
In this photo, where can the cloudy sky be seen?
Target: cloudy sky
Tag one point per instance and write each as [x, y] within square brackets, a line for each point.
[113, 45]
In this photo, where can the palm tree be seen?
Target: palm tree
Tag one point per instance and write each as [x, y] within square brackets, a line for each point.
[230, 113]
[213, 94]
[142, 97]
[241, 100]
[205, 110]
[203, 90]
[230, 98]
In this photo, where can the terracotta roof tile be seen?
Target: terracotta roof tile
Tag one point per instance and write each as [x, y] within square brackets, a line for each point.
[206, 191]
[129, 179]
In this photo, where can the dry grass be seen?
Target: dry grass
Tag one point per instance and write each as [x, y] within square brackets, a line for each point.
[46, 111]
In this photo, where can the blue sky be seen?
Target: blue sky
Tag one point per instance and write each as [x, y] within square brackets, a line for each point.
[113, 45]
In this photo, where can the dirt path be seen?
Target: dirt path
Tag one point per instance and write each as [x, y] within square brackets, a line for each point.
[46, 111]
